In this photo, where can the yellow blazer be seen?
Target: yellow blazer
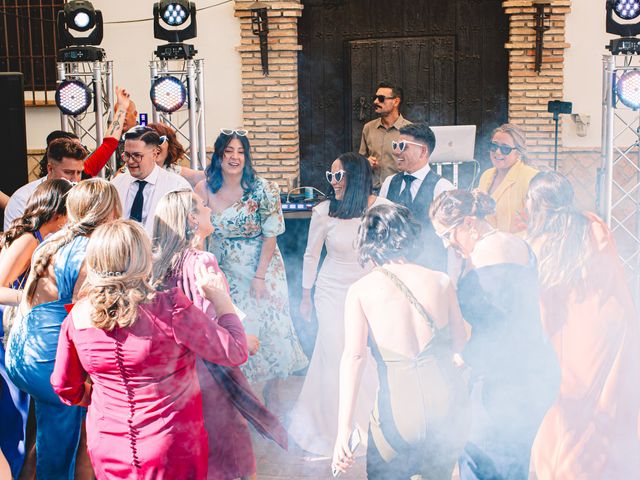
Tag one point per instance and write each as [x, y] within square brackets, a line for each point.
[509, 196]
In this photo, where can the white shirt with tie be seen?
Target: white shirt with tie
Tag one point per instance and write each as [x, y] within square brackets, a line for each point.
[443, 184]
[454, 261]
[159, 182]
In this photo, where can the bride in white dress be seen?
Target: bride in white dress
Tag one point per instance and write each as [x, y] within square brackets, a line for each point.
[334, 223]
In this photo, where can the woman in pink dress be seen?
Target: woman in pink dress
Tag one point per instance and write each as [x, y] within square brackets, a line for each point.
[591, 432]
[129, 353]
[181, 225]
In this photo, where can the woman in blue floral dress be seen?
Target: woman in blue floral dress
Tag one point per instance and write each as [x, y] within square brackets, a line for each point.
[247, 217]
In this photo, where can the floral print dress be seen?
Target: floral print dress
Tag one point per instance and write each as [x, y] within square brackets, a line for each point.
[237, 243]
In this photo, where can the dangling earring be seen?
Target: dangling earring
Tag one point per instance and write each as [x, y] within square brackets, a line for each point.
[192, 230]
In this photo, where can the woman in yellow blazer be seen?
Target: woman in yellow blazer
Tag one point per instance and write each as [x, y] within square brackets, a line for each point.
[508, 180]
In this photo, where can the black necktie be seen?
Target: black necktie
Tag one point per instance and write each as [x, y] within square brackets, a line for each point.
[405, 196]
[138, 202]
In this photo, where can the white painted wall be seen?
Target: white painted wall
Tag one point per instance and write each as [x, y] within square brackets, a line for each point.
[130, 46]
[585, 31]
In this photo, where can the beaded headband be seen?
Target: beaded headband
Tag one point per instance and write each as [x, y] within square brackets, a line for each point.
[106, 274]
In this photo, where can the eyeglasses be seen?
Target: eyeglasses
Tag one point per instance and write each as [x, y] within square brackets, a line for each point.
[446, 235]
[504, 149]
[337, 176]
[402, 144]
[382, 98]
[230, 131]
[135, 156]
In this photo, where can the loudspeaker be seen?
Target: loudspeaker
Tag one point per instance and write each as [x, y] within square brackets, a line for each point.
[13, 133]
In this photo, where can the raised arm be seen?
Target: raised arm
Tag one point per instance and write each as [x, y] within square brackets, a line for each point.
[99, 158]
[352, 366]
[222, 341]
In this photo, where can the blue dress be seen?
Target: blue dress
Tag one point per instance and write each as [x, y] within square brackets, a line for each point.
[14, 403]
[30, 356]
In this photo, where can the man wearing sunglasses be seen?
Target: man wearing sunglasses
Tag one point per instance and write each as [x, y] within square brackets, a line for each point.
[378, 134]
[415, 187]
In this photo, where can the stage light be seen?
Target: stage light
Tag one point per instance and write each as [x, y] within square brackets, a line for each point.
[168, 94]
[73, 97]
[79, 16]
[627, 9]
[628, 89]
[621, 15]
[174, 13]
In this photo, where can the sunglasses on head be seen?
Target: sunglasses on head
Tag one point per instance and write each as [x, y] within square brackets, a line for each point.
[337, 176]
[402, 144]
[382, 98]
[230, 131]
[504, 149]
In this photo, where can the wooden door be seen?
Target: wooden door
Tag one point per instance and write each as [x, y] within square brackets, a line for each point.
[447, 55]
[423, 66]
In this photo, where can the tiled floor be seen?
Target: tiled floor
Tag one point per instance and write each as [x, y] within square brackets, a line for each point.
[276, 464]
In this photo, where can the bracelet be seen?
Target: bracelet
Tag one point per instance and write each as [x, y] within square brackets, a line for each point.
[257, 277]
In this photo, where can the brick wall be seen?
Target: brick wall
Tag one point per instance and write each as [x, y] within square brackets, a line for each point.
[270, 103]
[529, 91]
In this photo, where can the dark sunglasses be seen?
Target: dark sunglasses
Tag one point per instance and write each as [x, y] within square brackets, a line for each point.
[337, 176]
[504, 149]
[382, 98]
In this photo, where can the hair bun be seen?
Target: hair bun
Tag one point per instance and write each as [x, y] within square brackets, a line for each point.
[483, 204]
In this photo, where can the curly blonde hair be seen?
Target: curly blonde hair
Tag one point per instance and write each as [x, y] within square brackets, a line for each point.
[118, 270]
[89, 204]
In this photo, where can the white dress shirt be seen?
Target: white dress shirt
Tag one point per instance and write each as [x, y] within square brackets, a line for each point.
[443, 184]
[159, 182]
[18, 201]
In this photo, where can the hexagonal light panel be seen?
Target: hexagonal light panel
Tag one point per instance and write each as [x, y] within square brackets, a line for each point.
[73, 97]
[168, 94]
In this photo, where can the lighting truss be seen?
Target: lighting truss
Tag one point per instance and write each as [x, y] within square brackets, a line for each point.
[619, 176]
[98, 77]
[167, 76]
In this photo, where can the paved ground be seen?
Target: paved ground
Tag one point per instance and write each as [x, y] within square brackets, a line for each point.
[276, 464]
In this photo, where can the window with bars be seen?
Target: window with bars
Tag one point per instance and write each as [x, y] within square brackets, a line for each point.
[28, 45]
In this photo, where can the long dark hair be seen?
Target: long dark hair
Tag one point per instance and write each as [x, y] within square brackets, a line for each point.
[358, 188]
[214, 170]
[48, 200]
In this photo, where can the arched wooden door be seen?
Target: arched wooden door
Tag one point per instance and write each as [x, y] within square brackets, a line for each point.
[447, 55]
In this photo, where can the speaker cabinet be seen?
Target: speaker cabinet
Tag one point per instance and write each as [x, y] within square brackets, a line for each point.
[13, 135]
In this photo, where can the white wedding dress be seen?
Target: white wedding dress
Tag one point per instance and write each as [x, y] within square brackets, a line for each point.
[314, 419]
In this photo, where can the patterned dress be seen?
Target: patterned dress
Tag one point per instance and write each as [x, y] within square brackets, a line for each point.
[237, 244]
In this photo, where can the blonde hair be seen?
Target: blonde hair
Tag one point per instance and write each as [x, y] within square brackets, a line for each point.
[561, 230]
[89, 204]
[518, 136]
[171, 232]
[118, 268]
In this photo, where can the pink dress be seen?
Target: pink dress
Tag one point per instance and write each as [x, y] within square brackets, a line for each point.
[227, 398]
[145, 417]
[591, 432]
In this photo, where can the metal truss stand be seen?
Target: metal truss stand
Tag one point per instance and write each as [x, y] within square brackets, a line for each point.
[619, 175]
[192, 129]
[98, 74]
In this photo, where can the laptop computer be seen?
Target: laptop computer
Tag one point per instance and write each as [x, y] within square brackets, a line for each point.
[454, 144]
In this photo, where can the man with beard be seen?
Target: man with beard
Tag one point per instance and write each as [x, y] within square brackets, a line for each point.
[378, 134]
